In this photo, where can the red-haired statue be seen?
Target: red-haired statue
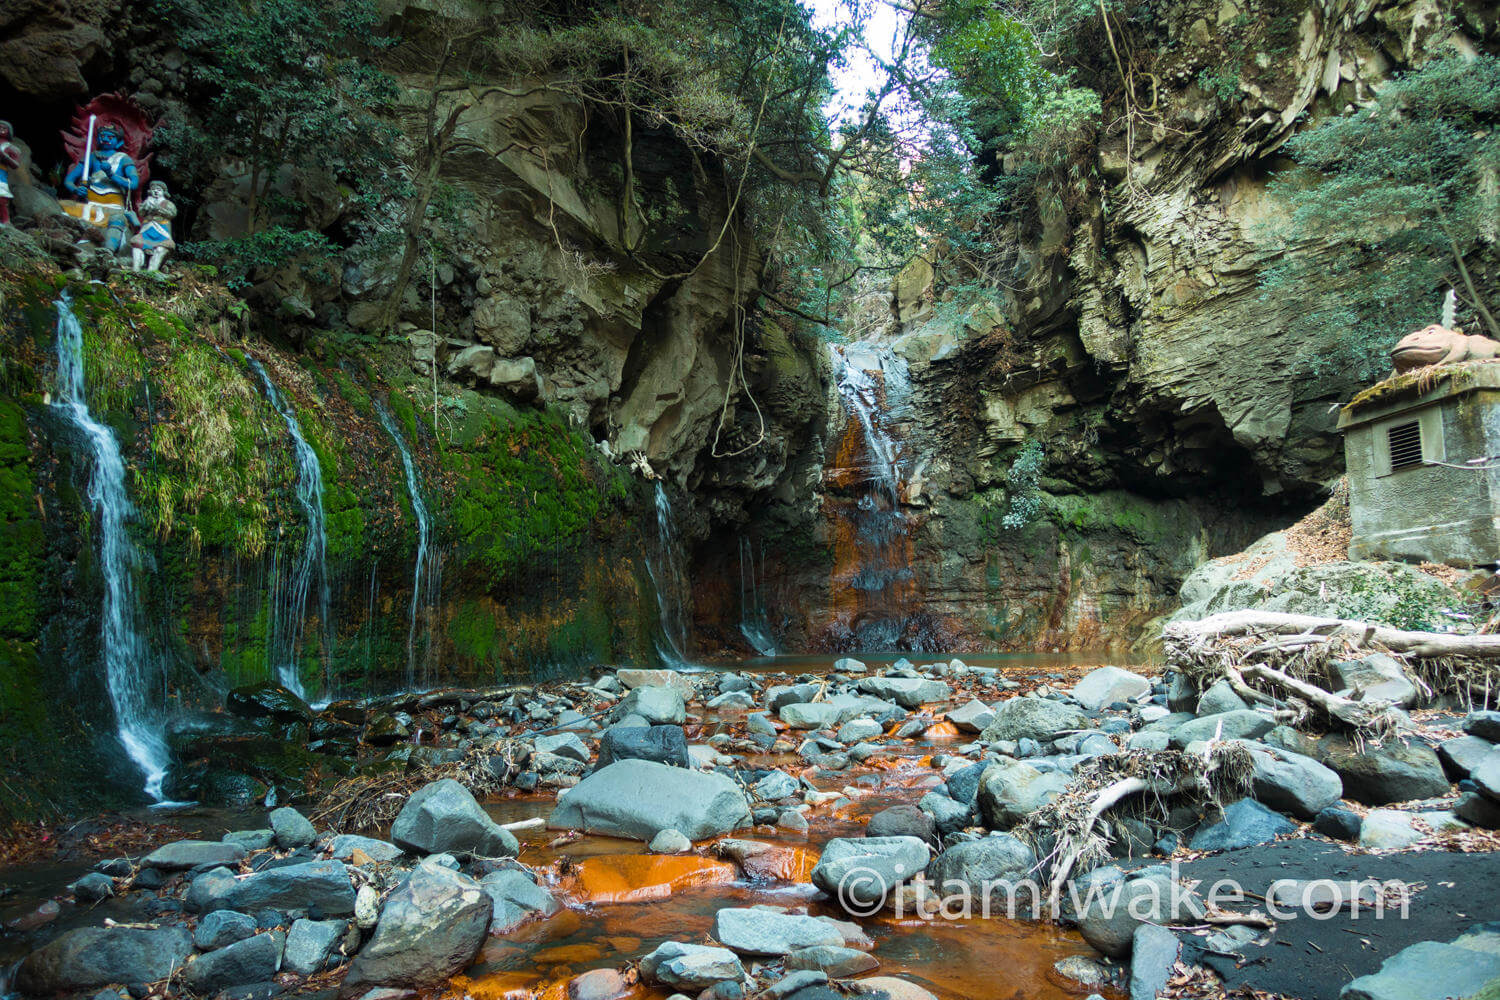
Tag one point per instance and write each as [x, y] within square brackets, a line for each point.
[107, 143]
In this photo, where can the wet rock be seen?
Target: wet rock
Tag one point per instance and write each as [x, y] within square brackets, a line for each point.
[856, 730]
[662, 744]
[1084, 971]
[598, 984]
[972, 717]
[93, 887]
[1293, 783]
[1485, 725]
[808, 715]
[691, 966]
[222, 927]
[430, 928]
[291, 829]
[947, 814]
[323, 885]
[1245, 823]
[776, 785]
[1241, 725]
[1008, 792]
[90, 957]
[312, 944]
[732, 699]
[757, 931]
[983, 863]
[184, 854]
[963, 784]
[1220, 697]
[564, 745]
[849, 665]
[1395, 771]
[778, 696]
[1339, 824]
[515, 898]
[385, 730]
[802, 982]
[1376, 676]
[1463, 754]
[443, 816]
[639, 798]
[250, 840]
[1107, 685]
[833, 960]
[669, 842]
[1152, 958]
[889, 988]
[859, 873]
[267, 700]
[908, 692]
[1033, 718]
[344, 845]
[902, 821]
[657, 705]
[1431, 970]
[1487, 776]
[1111, 914]
[252, 960]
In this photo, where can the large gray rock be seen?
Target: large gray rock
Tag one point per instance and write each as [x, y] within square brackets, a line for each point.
[778, 696]
[657, 704]
[859, 873]
[515, 898]
[1241, 725]
[1012, 790]
[1388, 829]
[253, 960]
[564, 745]
[691, 966]
[1245, 824]
[1487, 776]
[444, 818]
[312, 944]
[1485, 725]
[776, 785]
[91, 957]
[1463, 754]
[1107, 685]
[430, 929]
[1153, 955]
[1377, 676]
[639, 799]
[321, 884]
[809, 715]
[908, 692]
[1395, 771]
[222, 927]
[343, 846]
[1430, 970]
[1001, 864]
[755, 931]
[1110, 906]
[291, 829]
[1220, 697]
[972, 717]
[1033, 718]
[181, 855]
[663, 744]
[947, 814]
[1293, 783]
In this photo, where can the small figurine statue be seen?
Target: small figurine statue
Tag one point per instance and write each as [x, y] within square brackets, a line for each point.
[154, 238]
[10, 159]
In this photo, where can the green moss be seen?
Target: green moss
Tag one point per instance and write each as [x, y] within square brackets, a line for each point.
[344, 518]
[22, 540]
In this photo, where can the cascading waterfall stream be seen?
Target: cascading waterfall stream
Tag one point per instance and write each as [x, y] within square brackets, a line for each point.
[289, 604]
[755, 624]
[669, 579]
[874, 388]
[423, 588]
[131, 670]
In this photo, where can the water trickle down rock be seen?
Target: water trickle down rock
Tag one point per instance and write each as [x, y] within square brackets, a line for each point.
[424, 583]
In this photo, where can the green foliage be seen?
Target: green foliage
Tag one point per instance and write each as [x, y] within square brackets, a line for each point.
[1222, 85]
[1023, 484]
[239, 258]
[21, 536]
[1405, 194]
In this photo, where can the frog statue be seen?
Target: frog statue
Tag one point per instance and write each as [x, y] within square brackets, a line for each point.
[1439, 345]
[107, 143]
[153, 240]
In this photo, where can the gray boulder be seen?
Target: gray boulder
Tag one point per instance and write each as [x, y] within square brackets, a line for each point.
[222, 927]
[291, 829]
[321, 884]
[908, 692]
[972, 717]
[253, 960]
[1395, 771]
[1153, 955]
[564, 745]
[856, 730]
[92, 957]
[1480, 810]
[1107, 685]
[1010, 791]
[658, 705]
[776, 785]
[902, 821]
[691, 966]
[832, 960]
[1485, 725]
[1463, 754]
[809, 715]
[1245, 824]
[181, 855]
[859, 873]
[1487, 776]
[344, 845]
[987, 863]
[639, 799]
[1033, 718]
[1111, 906]
[756, 931]
[1431, 970]
[1241, 725]
[1388, 829]
[1293, 783]
[1220, 697]
[515, 898]
[1377, 676]
[444, 818]
[947, 814]
[662, 744]
[312, 944]
[430, 929]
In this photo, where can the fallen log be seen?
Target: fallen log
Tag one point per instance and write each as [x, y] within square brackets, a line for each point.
[1358, 633]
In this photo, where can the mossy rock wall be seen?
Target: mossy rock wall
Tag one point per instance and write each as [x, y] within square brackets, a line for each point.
[535, 557]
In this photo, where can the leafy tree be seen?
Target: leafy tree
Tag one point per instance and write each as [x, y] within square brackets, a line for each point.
[1403, 194]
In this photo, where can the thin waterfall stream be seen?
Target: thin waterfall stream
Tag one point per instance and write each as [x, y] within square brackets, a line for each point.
[289, 602]
[131, 669]
[423, 584]
[755, 624]
[669, 579]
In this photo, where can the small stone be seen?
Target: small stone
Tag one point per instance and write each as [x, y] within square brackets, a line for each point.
[1387, 829]
[291, 829]
[669, 842]
[1338, 824]
[222, 927]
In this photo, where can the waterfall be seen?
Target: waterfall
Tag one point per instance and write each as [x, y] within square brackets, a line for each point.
[131, 670]
[423, 590]
[669, 579]
[755, 625]
[873, 577]
[292, 588]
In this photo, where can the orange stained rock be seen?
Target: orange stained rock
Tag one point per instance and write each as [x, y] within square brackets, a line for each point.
[789, 863]
[943, 728]
[633, 878]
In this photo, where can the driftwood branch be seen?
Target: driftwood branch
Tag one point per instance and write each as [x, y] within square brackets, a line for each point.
[1420, 644]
